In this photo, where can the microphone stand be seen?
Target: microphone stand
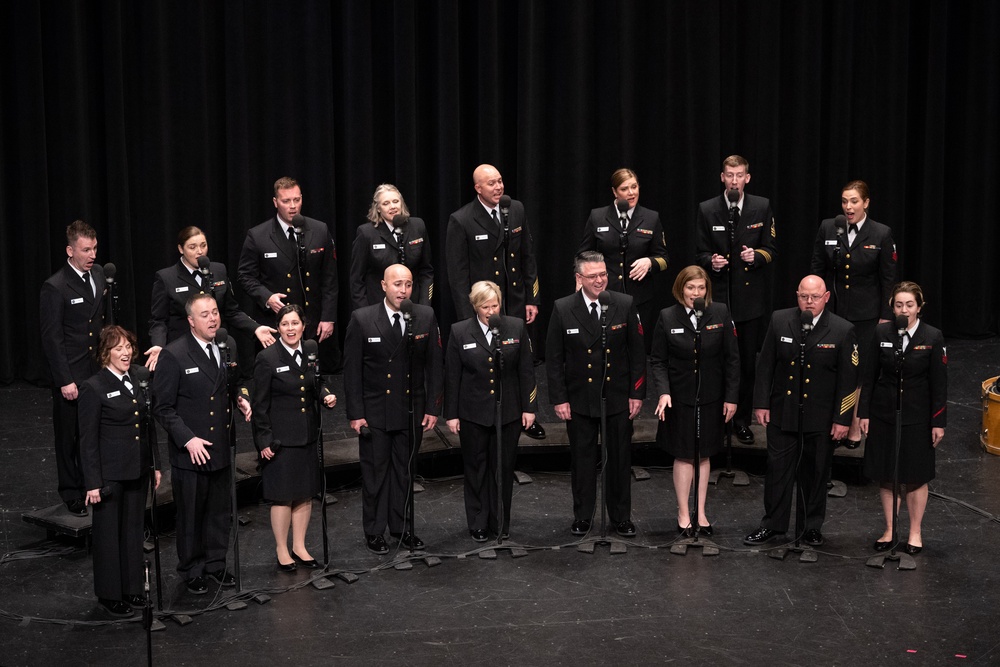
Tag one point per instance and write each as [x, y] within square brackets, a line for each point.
[147, 431]
[740, 478]
[233, 409]
[411, 433]
[147, 615]
[708, 547]
[498, 423]
[504, 244]
[320, 583]
[623, 249]
[111, 313]
[836, 488]
[905, 561]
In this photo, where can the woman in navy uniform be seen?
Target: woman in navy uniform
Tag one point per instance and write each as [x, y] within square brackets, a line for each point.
[859, 266]
[116, 464]
[286, 430]
[689, 373]
[378, 245]
[470, 405]
[173, 285]
[634, 253]
[923, 366]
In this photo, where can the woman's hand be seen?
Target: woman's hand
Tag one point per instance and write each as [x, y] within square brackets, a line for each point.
[329, 400]
[453, 426]
[728, 410]
[267, 453]
[937, 435]
[93, 496]
[661, 405]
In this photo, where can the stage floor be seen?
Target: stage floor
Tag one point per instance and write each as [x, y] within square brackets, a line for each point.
[555, 605]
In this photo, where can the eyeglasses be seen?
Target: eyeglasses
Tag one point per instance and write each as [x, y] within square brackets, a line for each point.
[809, 298]
[594, 276]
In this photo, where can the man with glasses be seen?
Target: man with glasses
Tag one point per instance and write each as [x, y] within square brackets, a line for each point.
[826, 378]
[579, 370]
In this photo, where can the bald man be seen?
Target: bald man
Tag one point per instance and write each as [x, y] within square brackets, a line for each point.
[376, 371]
[828, 396]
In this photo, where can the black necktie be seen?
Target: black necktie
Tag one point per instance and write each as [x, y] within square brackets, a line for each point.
[291, 238]
[853, 229]
[693, 318]
[211, 354]
[128, 383]
[736, 215]
[593, 311]
[906, 340]
[397, 326]
[496, 220]
[298, 358]
[398, 235]
[86, 281]
[197, 277]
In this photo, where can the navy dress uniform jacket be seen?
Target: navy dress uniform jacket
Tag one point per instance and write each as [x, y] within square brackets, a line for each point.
[284, 399]
[861, 275]
[71, 322]
[375, 249]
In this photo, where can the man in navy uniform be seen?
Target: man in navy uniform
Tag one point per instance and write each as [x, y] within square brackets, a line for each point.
[378, 372]
[575, 364]
[191, 393]
[736, 243]
[72, 315]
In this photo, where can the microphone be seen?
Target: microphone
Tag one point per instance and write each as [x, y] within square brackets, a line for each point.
[400, 220]
[365, 432]
[109, 273]
[604, 298]
[494, 326]
[140, 374]
[901, 323]
[222, 338]
[204, 265]
[840, 223]
[699, 312]
[276, 446]
[297, 222]
[622, 206]
[406, 308]
[504, 205]
[733, 196]
[311, 349]
[806, 317]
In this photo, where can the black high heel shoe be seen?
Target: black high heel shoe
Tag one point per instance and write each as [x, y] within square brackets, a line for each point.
[310, 564]
[706, 530]
[286, 567]
[685, 532]
[882, 546]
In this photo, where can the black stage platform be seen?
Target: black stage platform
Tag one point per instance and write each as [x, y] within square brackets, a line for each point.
[556, 605]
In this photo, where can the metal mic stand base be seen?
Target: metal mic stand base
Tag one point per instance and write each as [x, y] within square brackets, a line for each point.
[640, 474]
[616, 546]
[708, 547]
[740, 478]
[904, 561]
[522, 478]
[836, 489]
[806, 554]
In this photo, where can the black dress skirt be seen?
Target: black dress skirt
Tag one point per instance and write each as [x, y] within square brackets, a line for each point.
[916, 453]
[676, 435]
[292, 474]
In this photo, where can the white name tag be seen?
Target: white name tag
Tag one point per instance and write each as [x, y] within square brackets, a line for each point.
[786, 339]
[830, 242]
[482, 237]
[603, 229]
[718, 228]
[270, 255]
[468, 346]
[189, 371]
[181, 289]
[676, 331]
[114, 393]
[76, 301]
[570, 332]
[281, 369]
[378, 246]
[885, 343]
[376, 339]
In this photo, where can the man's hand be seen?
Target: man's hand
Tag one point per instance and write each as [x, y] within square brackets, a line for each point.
[152, 354]
[276, 302]
[196, 449]
[69, 391]
[324, 331]
[763, 417]
[718, 262]
[662, 405]
[264, 334]
[937, 435]
[356, 424]
[428, 422]
[563, 411]
[747, 255]
[329, 400]
[244, 406]
[728, 410]
[93, 497]
[640, 268]
[839, 432]
[530, 313]
[157, 477]
[634, 405]
[267, 453]
[527, 419]
[454, 426]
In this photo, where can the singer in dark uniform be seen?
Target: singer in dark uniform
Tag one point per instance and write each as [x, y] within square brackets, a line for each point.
[471, 389]
[377, 377]
[575, 365]
[378, 244]
[633, 244]
[279, 266]
[918, 356]
[474, 246]
[828, 395]
[173, 285]
[117, 462]
[286, 431]
[695, 365]
[191, 391]
[736, 242]
[859, 264]
[72, 311]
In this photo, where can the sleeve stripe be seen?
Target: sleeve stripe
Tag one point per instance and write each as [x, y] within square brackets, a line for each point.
[765, 254]
[662, 263]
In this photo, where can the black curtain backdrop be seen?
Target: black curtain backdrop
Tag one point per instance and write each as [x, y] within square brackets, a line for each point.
[144, 117]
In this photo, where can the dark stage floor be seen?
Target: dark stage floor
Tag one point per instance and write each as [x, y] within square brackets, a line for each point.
[555, 605]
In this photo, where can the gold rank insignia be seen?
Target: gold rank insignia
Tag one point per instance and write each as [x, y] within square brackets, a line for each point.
[849, 402]
[533, 394]
[773, 235]
[854, 355]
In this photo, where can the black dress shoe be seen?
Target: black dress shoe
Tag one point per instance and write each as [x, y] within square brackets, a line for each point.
[851, 444]
[286, 567]
[685, 532]
[478, 534]
[136, 601]
[759, 536]
[376, 544]
[309, 564]
[535, 431]
[744, 435]
[625, 528]
[76, 507]
[912, 550]
[706, 530]
[882, 546]
[580, 528]
[411, 541]
[197, 586]
[813, 537]
[222, 578]
[116, 607]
